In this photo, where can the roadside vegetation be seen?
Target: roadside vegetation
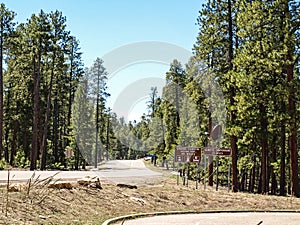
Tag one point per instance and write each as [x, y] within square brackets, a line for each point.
[44, 204]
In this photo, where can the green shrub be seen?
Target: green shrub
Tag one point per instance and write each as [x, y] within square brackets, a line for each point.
[3, 164]
[21, 160]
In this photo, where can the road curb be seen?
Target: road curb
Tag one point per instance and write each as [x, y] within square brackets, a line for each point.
[141, 215]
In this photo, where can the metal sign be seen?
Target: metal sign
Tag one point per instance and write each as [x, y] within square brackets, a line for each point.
[217, 151]
[216, 132]
[187, 154]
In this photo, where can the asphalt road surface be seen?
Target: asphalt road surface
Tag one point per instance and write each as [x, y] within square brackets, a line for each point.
[129, 172]
[220, 219]
[117, 171]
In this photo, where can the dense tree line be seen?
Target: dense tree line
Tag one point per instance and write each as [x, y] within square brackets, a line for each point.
[246, 56]
[53, 109]
[251, 49]
[43, 67]
[41, 73]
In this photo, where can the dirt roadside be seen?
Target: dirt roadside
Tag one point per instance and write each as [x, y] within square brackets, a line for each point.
[85, 205]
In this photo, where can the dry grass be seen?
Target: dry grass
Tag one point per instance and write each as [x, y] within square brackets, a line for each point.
[83, 205]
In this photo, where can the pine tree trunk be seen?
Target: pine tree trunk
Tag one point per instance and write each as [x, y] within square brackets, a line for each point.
[293, 135]
[107, 136]
[282, 181]
[76, 158]
[36, 77]
[97, 145]
[233, 138]
[274, 159]
[264, 151]
[47, 114]
[210, 170]
[210, 158]
[55, 129]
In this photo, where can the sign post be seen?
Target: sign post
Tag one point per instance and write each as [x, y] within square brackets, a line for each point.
[217, 173]
[228, 177]
[187, 155]
[204, 172]
[225, 152]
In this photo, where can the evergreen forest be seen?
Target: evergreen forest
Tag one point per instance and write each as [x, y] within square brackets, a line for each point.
[246, 57]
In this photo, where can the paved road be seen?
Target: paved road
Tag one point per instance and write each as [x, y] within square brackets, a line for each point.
[126, 171]
[220, 219]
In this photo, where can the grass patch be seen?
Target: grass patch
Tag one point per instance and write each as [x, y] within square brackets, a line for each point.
[83, 205]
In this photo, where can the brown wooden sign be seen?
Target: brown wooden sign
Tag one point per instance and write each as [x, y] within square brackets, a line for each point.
[187, 154]
[217, 151]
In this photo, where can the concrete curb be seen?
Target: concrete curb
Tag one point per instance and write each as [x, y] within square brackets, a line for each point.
[140, 215]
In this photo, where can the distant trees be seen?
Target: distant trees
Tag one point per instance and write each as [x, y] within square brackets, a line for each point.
[97, 77]
[83, 124]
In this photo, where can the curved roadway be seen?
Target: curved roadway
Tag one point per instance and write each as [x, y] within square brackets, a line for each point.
[240, 218]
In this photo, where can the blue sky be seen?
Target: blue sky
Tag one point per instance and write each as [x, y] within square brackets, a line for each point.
[104, 25]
